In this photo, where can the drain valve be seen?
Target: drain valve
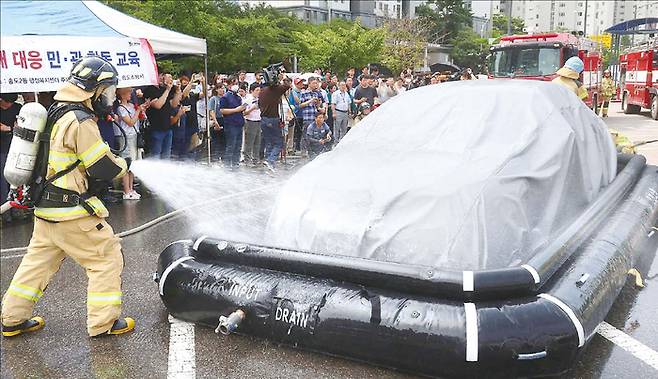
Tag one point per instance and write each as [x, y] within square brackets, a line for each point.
[230, 324]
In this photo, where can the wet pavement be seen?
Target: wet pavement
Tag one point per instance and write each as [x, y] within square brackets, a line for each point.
[63, 349]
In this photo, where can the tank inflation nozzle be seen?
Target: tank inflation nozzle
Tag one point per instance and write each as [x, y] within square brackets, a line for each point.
[230, 324]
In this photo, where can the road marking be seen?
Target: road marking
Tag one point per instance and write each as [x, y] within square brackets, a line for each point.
[182, 360]
[628, 343]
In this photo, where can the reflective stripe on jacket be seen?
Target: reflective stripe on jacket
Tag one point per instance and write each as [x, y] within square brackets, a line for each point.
[607, 88]
[72, 139]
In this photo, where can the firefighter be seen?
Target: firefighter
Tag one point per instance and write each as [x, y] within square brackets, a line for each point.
[622, 143]
[607, 91]
[69, 218]
[568, 76]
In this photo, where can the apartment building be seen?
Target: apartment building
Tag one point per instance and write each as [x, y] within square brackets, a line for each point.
[553, 15]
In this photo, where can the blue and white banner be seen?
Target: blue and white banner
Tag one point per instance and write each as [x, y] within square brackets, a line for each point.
[43, 63]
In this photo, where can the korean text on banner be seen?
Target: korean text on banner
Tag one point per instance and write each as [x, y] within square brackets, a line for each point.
[43, 63]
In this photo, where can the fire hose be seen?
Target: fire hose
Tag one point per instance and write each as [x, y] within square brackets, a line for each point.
[640, 143]
[153, 222]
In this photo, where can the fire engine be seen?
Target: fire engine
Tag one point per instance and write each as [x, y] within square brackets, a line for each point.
[639, 79]
[539, 56]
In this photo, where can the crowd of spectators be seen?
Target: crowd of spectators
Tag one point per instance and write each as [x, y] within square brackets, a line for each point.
[252, 123]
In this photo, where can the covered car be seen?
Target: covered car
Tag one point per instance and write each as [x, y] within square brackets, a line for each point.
[471, 175]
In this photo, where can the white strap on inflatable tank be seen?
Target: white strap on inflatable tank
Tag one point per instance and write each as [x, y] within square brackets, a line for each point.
[570, 313]
[471, 332]
[198, 242]
[467, 279]
[166, 272]
[533, 272]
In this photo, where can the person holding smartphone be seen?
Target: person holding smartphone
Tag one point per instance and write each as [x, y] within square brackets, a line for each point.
[231, 107]
[252, 132]
[190, 124]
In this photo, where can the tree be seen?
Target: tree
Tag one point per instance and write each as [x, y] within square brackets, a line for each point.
[499, 27]
[237, 38]
[446, 18]
[338, 46]
[405, 42]
[469, 50]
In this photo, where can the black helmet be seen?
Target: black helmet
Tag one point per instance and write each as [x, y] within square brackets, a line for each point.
[91, 72]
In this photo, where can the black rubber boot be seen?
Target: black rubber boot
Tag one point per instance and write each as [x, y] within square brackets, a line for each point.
[120, 326]
[31, 325]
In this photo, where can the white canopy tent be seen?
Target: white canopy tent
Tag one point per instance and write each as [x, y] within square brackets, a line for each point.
[78, 21]
[90, 19]
[163, 41]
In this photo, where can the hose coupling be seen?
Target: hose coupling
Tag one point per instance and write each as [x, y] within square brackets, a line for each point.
[230, 324]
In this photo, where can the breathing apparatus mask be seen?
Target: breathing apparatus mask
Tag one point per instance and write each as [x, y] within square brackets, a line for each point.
[103, 100]
[95, 75]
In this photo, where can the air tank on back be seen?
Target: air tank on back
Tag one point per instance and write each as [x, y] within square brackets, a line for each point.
[22, 156]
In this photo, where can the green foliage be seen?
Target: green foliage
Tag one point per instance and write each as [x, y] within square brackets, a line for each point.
[446, 18]
[237, 38]
[608, 57]
[499, 27]
[252, 37]
[338, 46]
[469, 50]
[405, 41]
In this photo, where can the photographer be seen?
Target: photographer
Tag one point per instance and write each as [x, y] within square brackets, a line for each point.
[191, 92]
[269, 102]
[386, 90]
[158, 115]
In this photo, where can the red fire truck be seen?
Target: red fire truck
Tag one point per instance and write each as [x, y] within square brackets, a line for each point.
[638, 69]
[539, 56]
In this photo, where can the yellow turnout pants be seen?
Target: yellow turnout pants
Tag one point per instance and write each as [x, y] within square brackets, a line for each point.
[91, 242]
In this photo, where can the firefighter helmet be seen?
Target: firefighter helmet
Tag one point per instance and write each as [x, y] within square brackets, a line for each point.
[574, 63]
[91, 72]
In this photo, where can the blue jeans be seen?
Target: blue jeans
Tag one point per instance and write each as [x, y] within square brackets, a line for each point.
[161, 144]
[4, 186]
[180, 141]
[272, 138]
[233, 135]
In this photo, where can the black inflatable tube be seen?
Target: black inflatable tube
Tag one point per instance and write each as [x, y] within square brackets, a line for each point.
[427, 281]
[520, 336]
[415, 334]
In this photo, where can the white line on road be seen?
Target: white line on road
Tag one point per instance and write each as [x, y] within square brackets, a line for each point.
[628, 343]
[182, 356]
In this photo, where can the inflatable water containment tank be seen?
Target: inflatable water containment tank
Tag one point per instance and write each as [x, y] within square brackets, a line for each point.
[528, 317]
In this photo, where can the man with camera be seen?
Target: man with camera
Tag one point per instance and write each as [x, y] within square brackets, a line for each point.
[269, 101]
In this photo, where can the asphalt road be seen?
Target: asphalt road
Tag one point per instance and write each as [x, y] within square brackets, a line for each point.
[63, 349]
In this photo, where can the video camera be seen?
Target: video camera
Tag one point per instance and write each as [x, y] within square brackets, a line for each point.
[271, 73]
